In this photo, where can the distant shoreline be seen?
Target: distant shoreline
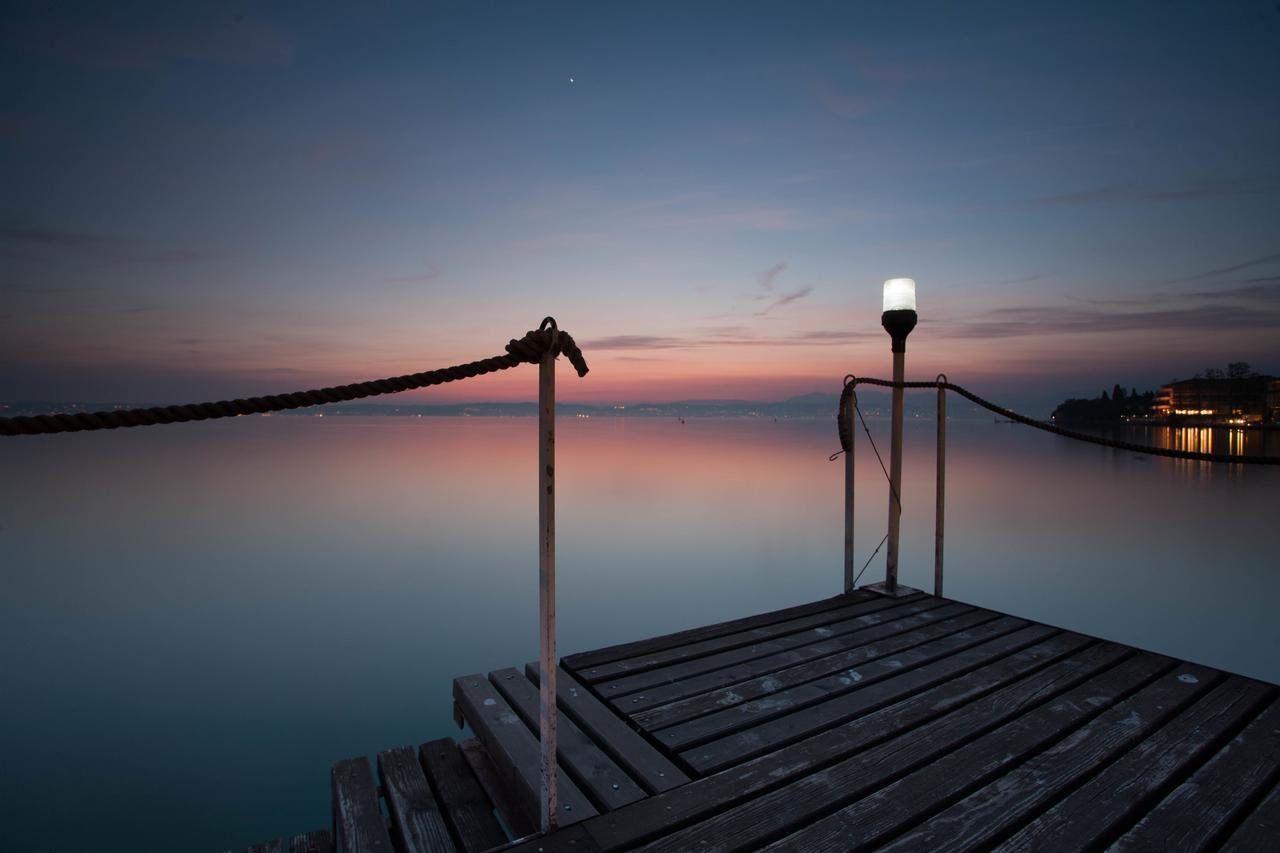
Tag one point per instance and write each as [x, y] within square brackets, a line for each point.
[807, 407]
[816, 405]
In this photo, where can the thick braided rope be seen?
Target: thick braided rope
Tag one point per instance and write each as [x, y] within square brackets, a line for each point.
[846, 434]
[527, 350]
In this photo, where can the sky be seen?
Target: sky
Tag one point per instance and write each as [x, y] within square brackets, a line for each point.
[209, 201]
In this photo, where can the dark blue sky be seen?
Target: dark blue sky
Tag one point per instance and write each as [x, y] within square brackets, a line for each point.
[243, 198]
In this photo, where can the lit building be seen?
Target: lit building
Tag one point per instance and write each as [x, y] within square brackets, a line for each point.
[1249, 400]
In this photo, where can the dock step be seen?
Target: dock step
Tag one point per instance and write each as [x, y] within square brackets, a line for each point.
[433, 799]
[603, 764]
[459, 789]
[513, 748]
[425, 800]
[649, 767]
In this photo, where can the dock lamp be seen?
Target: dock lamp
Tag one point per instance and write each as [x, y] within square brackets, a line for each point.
[898, 319]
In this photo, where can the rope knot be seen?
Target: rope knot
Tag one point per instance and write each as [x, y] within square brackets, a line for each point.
[538, 342]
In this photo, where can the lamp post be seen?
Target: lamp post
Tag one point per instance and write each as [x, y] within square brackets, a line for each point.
[898, 319]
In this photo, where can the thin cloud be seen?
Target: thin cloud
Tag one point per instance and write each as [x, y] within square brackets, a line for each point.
[1262, 292]
[1243, 265]
[1192, 194]
[234, 41]
[17, 232]
[1137, 195]
[631, 342]
[1260, 289]
[835, 336]
[1055, 320]
[19, 235]
[1084, 197]
[276, 371]
[769, 276]
[713, 338]
[45, 291]
[786, 299]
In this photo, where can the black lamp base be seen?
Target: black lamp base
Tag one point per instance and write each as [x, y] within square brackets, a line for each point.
[899, 324]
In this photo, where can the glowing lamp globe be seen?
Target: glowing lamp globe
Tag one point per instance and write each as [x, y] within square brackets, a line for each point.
[899, 316]
[900, 294]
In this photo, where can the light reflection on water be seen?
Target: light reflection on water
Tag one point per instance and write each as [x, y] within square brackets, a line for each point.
[195, 621]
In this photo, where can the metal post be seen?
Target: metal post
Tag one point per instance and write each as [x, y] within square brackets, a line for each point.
[848, 495]
[942, 484]
[895, 473]
[547, 581]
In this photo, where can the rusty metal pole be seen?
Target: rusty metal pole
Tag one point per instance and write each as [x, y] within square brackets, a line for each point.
[895, 473]
[848, 495]
[547, 580]
[942, 484]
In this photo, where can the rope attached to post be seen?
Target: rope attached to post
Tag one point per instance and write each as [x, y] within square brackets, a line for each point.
[846, 432]
[526, 350]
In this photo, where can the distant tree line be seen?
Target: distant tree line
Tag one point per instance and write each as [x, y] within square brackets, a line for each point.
[1235, 370]
[1114, 406]
[1117, 405]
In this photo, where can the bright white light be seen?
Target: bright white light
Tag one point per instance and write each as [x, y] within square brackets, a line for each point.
[900, 294]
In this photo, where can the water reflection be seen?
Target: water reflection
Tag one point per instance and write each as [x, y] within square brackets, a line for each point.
[200, 619]
[1236, 441]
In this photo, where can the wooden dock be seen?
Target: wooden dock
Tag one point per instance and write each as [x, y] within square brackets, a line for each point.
[857, 722]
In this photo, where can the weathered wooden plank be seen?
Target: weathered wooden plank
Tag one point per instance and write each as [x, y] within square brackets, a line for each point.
[642, 760]
[854, 650]
[1260, 829]
[772, 734]
[600, 778]
[1002, 804]
[1097, 812]
[703, 648]
[503, 798]
[660, 686]
[514, 750]
[276, 845]
[853, 676]
[596, 657]
[357, 818]
[464, 803]
[570, 840]
[1213, 801]
[1014, 732]
[671, 677]
[992, 693]
[316, 841]
[416, 820]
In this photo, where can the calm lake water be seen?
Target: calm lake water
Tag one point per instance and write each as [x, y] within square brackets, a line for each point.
[196, 621]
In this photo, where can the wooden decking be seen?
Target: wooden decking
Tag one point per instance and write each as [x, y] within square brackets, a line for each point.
[856, 722]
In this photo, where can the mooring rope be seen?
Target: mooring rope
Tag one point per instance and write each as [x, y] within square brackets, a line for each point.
[845, 428]
[527, 350]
